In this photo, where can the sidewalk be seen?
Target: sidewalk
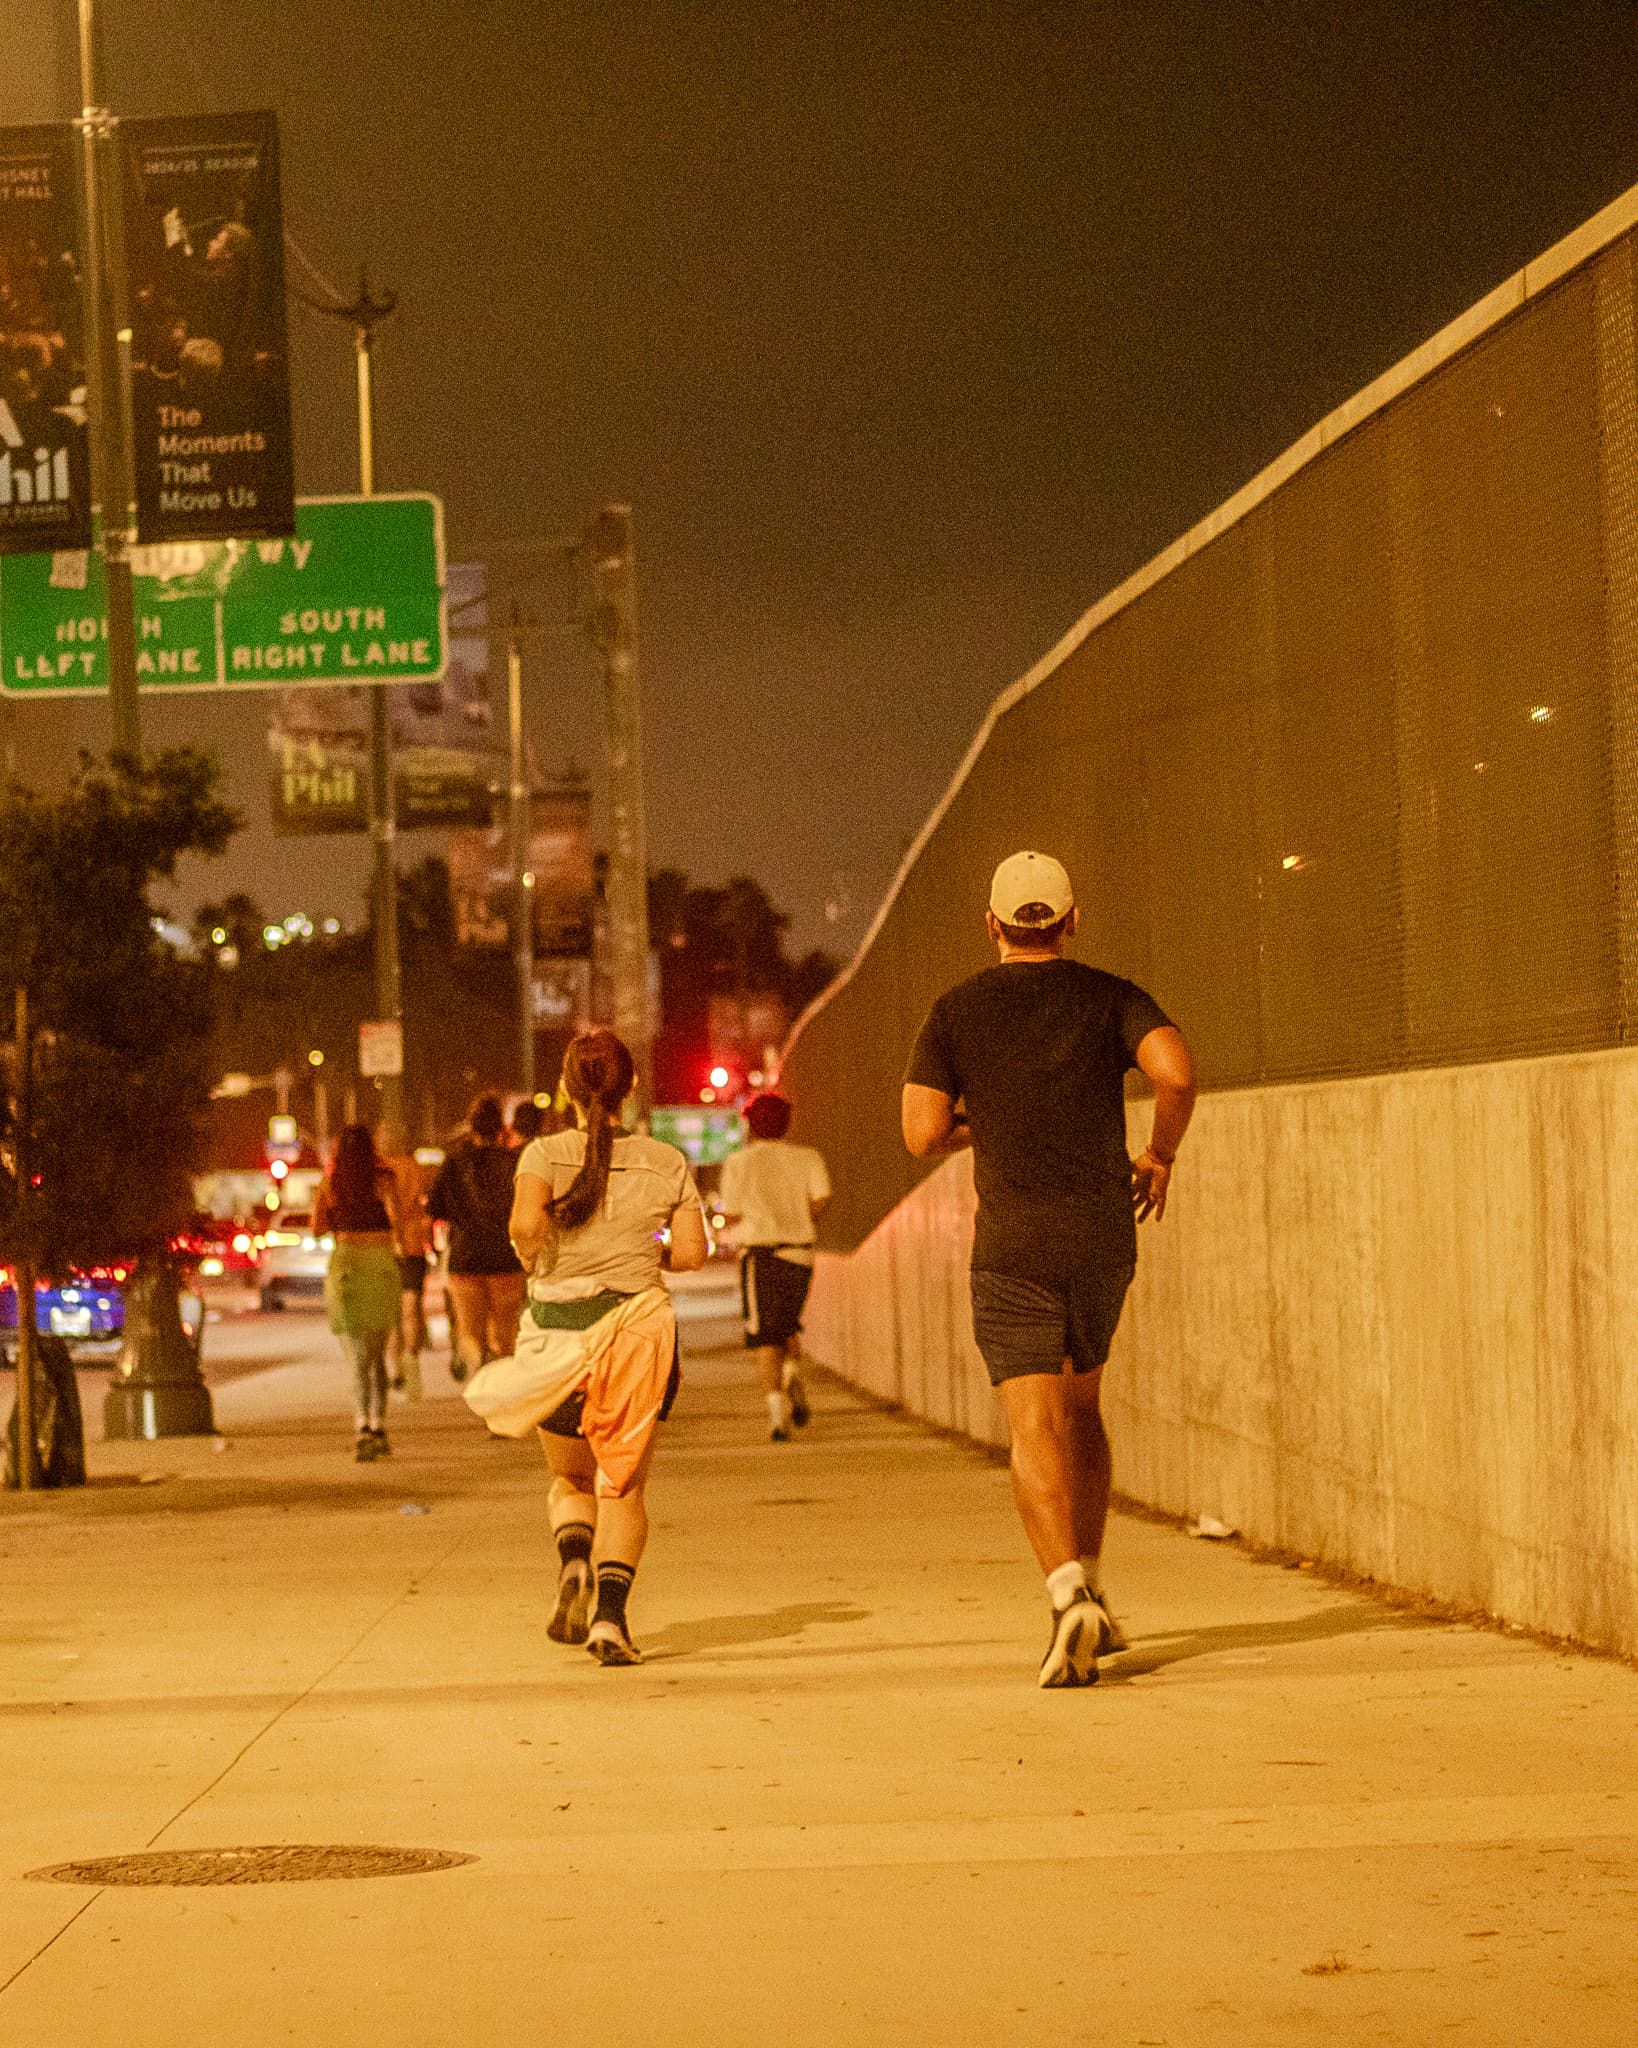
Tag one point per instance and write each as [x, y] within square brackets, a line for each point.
[830, 1808]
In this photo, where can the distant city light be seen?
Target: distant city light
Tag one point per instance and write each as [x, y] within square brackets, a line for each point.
[755, 1077]
[332, 925]
[279, 1169]
[218, 937]
[315, 1058]
[1291, 861]
[272, 935]
[708, 1095]
[719, 1077]
[1540, 713]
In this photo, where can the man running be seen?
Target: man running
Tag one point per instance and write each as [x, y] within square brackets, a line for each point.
[1026, 1062]
[773, 1194]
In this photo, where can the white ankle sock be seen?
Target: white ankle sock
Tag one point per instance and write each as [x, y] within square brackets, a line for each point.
[779, 1411]
[1093, 1568]
[1067, 1583]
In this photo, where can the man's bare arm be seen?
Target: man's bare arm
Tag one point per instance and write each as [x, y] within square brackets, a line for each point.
[931, 1123]
[1164, 1058]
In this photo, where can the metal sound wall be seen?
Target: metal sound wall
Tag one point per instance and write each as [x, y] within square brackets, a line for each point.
[1354, 786]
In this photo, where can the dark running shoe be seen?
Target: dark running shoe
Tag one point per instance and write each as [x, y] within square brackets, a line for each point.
[797, 1395]
[383, 1449]
[571, 1616]
[609, 1644]
[1072, 1652]
[365, 1451]
[1114, 1636]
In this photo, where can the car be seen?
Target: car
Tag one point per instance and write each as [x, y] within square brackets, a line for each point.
[293, 1260]
[218, 1248]
[87, 1310]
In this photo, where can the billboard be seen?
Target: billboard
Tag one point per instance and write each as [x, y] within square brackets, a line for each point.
[45, 467]
[448, 766]
[210, 376]
[560, 856]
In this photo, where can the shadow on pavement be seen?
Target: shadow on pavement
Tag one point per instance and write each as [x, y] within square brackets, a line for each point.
[732, 1631]
[1356, 1618]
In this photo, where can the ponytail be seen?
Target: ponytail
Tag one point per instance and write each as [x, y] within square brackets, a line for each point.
[598, 1074]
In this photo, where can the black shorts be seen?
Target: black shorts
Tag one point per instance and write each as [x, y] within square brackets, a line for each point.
[566, 1418]
[1027, 1326]
[773, 1292]
[412, 1272]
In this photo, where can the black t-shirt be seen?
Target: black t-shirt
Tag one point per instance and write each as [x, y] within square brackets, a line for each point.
[473, 1195]
[1038, 1052]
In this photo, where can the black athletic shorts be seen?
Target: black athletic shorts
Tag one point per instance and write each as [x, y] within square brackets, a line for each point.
[1026, 1326]
[566, 1418]
[412, 1272]
[773, 1292]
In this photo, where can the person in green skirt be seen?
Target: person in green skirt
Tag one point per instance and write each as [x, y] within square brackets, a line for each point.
[358, 1203]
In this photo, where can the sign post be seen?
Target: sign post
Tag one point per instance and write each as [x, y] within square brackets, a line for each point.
[381, 1049]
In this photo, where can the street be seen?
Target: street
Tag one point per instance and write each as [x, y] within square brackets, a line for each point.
[831, 1807]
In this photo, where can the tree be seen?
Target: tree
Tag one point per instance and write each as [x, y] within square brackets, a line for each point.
[717, 942]
[122, 1019]
[313, 988]
[102, 1123]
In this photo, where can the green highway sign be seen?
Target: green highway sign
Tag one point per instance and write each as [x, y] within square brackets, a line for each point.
[356, 597]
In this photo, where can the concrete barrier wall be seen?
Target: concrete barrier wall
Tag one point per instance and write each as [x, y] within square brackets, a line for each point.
[1391, 1323]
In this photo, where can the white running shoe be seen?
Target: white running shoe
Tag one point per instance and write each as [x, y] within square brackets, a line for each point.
[1072, 1652]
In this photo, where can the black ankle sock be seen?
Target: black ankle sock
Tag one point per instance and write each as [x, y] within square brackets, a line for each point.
[613, 1585]
[574, 1542]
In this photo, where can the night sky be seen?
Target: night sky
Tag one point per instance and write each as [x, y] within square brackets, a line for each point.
[907, 329]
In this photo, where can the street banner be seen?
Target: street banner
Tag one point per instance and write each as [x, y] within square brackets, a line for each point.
[560, 994]
[320, 780]
[560, 858]
[210, 370]
[356, 597]
[45, 466]
[448, 767]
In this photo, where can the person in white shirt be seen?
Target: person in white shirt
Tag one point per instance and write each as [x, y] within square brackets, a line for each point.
[773, 1194]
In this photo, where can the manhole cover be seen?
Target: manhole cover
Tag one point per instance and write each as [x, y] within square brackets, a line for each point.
[279, 1863]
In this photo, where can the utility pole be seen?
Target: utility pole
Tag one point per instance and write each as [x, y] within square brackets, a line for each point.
[22, 1170]
[366, 314]
[523, 880]
[611, 564]
[108, 367]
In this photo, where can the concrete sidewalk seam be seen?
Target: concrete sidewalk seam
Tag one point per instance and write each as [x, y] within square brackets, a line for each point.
[23, 1968]
[294, 1701]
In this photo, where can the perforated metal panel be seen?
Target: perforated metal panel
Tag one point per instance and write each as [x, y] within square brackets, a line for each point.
[1352, 788]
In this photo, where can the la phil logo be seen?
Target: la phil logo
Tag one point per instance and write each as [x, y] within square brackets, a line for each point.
[42, 479]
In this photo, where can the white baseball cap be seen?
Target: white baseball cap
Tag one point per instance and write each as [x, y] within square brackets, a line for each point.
[1027, 878]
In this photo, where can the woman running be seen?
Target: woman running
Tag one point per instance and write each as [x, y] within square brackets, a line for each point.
[473, 1195]
[596, 1214]
[358, 1202]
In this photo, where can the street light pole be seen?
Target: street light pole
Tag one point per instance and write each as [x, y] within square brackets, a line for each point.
[366, 313]
[23, 1276]
[523, 880]
[108, 364]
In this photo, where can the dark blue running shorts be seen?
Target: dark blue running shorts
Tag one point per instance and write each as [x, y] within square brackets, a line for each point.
[1027, 1326]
